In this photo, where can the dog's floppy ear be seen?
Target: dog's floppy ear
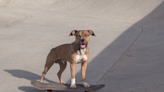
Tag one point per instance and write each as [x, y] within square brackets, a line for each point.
[91, 32]
[73, 32]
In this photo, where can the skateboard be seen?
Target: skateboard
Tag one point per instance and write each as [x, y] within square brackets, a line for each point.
[58, 86]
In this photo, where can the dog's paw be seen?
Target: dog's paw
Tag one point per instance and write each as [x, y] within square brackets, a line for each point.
[86, 85]
[62, 82]
[41, 81]
[73, 86]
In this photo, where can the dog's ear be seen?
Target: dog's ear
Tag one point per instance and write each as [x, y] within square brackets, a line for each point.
[73, 32]
[91, 32]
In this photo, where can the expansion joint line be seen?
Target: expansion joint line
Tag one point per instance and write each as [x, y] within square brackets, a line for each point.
[121, 55]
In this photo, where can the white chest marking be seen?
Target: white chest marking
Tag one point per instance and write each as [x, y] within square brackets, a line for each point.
[81, 57]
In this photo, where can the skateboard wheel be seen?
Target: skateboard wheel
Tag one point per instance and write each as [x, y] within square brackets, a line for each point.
[49, 90]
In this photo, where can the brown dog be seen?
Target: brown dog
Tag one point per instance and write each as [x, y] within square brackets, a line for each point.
[76, 52]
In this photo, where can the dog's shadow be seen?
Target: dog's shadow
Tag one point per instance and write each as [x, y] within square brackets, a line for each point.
[26, 75]
[31, 77]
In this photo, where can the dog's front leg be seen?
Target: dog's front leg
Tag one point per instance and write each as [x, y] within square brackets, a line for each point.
[73, 83]
[83, 71]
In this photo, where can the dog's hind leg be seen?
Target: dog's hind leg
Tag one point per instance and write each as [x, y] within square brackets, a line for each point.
[51, 58]
[63, 65]
[44, 72]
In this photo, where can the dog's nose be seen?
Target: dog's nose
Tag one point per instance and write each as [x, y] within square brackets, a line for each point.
[82, 40]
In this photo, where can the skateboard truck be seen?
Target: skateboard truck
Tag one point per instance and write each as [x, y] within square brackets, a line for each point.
[49, 90]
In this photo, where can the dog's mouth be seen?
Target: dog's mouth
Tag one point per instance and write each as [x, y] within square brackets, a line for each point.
[83, 45]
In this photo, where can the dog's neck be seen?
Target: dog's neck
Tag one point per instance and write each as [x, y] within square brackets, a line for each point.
[76, 48]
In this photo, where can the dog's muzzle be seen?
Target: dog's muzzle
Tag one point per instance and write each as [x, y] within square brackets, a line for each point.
[83, 43]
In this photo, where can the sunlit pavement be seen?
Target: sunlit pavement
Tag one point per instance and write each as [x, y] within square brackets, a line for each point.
[126, 55]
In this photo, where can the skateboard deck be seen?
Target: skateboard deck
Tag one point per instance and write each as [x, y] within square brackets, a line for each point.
[58, 86]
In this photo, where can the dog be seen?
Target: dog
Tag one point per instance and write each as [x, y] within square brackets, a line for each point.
[75, 52]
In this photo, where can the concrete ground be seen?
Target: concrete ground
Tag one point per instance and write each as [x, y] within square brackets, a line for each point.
[126, 54]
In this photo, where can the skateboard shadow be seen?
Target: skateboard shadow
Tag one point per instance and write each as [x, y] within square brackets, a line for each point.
[32, 89]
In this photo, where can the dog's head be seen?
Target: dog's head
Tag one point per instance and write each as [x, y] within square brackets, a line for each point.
[82, 37]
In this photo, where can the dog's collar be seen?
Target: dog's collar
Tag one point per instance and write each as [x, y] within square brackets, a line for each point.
[76, 52]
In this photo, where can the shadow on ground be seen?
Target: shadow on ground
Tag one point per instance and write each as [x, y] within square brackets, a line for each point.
[31, 77]
[26, 75]
[32, 89]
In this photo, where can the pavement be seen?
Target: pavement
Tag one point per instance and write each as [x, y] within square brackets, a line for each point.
[126, 54]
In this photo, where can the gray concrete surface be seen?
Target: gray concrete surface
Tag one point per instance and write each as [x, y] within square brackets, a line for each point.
[126, 54]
